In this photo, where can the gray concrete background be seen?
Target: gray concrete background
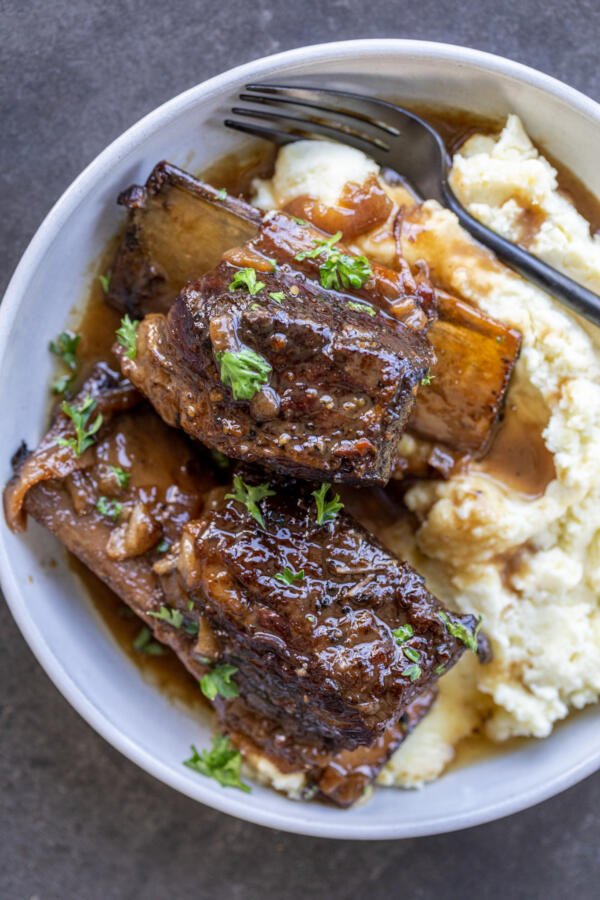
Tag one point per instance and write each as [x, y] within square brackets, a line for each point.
[77, 820]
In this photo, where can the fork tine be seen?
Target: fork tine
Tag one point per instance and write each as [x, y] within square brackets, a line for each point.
[319, 126]
[280, 137]
[376, 112]
[269, 134]
[355, 114]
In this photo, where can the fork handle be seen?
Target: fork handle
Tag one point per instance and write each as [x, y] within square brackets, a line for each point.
[578, 298]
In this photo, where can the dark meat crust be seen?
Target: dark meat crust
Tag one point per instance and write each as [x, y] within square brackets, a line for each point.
[340, 392]
[340, 777]
[317, 655]
[112, 395]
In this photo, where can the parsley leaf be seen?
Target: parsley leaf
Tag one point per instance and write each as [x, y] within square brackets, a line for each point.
[250, 496]
[327, 510]
[411, 653]
[127, 336]
[320, 247]
[220, 460]
[244, 371]
[162, 546]
[427, 378]
[246, 278]
[403, 633]
[143, 643]
[80, 415]
[65, 347]
[278, 296]
[222, 762]
[288, 576]
[341, 270]
[413, 672]
[61, 385]
[170, 616]
[104, 282]
[222, 194]
[461, 632]
[338, 269]
[109, 508]
[219, 683]
[121, 475]
[175, 618]
[298, 221]
[362, 307]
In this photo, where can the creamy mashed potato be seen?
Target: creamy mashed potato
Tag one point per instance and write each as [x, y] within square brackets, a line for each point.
[317, 169]
[529, 565]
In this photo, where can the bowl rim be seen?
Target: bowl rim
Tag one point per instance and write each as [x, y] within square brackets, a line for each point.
[230, 802]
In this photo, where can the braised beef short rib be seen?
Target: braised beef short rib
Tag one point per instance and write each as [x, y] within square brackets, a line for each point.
[331, 635]
[169, 532]
[338, 373]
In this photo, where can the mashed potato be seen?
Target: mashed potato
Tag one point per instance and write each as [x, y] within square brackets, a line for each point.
[529, 566]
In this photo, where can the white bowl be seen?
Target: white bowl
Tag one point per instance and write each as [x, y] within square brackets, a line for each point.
[49, 605]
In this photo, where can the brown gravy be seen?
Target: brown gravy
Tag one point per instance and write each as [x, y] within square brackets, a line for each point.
[165, 672]
[518, 457]
[528, 468]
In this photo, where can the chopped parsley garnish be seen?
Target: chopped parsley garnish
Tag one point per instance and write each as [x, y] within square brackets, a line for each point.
[461, 632]
[170, 616]
[439, 670]
[246, 278]
[175, 618]
[427, 378]
[109, 508]
[65, 347]
[61, 385]
[104, 282]
[310, 617]
[162, 546]
[221, 762]
[327, 510]
[219, 683]
[121, 475]
[143, 643]
[288, 576]
[320, 247]
[338, 269]
[219, 459]
[362, 307]
[127, 336]
[222, 194]
[250, 496]
[244, 371]
[341, 270]
[277, 296]
[84, 432]
[403, 633]
[413, 672]
[411, 653]
[298, 221]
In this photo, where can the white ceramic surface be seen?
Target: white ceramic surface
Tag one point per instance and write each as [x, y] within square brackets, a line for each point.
[49, 604]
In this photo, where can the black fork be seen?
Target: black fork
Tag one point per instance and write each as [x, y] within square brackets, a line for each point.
[398, 139]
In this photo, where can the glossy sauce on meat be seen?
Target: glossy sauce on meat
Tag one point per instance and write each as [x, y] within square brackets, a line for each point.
[99, 323]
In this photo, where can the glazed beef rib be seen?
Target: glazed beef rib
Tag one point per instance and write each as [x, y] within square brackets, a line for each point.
[168, 483]
[327, 380]
[331, 635]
